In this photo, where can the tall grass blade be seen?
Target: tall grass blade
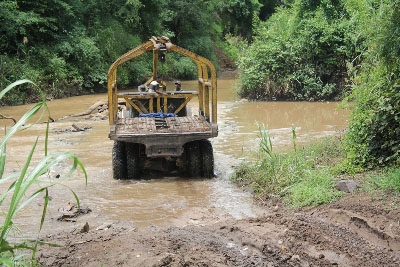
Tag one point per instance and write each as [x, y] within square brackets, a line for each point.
[24, 180]
[265, 140]
[2, 160]
[44, 166]
[46, 139]
[14, 84]
[294, 136]
[46, 202]
[17, 195]
[24, 119]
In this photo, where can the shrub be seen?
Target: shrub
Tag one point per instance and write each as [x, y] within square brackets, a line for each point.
[374, 129]
[300, 53]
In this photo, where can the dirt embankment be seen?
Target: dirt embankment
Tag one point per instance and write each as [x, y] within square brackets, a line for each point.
[356, 231]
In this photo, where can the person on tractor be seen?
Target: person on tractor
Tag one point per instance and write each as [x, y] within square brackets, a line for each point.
[178, 86]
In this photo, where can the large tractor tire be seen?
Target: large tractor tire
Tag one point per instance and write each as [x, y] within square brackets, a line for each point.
[119, 160]
[192, 159]
[132, 160]
[207, 159]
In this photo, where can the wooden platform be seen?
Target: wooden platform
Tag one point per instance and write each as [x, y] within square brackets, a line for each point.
[162, 125]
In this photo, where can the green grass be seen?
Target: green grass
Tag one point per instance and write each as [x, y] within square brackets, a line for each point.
[307, 175]
[303, 177]
[316, 188]
[18, 195]
[388, 180]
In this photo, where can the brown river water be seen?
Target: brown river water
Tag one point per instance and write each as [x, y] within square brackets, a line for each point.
[160, 200]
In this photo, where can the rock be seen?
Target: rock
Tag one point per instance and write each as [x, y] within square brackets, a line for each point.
[105, 226]
[295, 258]
[81, 229]
[85, 228]
[71, 211]
[347, 186]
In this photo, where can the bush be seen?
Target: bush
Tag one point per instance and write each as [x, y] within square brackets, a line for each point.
[184, 68]
[300, 53]
[374, 129]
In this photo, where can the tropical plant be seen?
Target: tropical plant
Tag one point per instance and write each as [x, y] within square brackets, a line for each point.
[18, 194]
[374, 130]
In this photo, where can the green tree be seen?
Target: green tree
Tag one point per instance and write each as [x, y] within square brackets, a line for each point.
[236, 16]
[14, 26]
[374, 130]
[300, 53]
[66, 46]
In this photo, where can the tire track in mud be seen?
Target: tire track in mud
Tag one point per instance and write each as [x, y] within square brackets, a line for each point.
[278, 238]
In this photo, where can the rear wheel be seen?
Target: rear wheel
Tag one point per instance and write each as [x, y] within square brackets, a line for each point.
[119, 160]
[207, 159]
[193, 159]
[132, 160]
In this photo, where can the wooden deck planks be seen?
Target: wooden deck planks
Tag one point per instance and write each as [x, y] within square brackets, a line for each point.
[171, 124]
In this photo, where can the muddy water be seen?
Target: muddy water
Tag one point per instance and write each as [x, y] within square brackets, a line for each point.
[158, 200]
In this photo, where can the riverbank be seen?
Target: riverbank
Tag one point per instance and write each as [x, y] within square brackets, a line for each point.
[358, 230]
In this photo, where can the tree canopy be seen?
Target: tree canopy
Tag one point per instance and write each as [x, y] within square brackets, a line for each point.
[66, 46]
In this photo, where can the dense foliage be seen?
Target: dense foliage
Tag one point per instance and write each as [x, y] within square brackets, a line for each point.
[330, 49]
[301, 53]
[374, 131]
[66, 46]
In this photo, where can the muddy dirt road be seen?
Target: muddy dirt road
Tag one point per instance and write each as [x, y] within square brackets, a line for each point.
[170, 221]
[353, 232]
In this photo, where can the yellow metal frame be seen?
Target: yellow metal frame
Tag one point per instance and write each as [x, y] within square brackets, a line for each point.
[157, 45]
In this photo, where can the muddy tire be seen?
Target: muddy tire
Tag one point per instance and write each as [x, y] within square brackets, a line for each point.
[119, 160]
[193, 159]
[207, 159]
[132, 160]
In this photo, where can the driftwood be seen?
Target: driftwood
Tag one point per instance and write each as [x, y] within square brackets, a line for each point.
[8, 118]
[87, 112]
[77, 128]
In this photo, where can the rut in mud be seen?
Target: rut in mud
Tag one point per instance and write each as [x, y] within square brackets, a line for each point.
[352, 232]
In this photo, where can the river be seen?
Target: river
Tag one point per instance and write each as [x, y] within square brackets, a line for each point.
[161, 200]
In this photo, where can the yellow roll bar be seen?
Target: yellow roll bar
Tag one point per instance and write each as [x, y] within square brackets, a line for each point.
[163, 45]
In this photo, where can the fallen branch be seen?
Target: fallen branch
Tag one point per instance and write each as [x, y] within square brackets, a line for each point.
[8, 118]
[88, 111]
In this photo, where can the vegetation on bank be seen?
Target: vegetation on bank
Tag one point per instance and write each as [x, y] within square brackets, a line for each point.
[328, 49]
[302, 52]
[26, 185]
[307, 176]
